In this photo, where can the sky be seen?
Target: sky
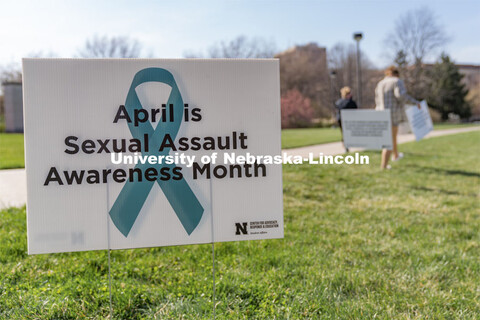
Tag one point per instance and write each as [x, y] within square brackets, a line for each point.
[170, 29]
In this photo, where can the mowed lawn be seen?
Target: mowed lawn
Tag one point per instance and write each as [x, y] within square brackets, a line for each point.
[12, 154]
[295, 138]
[11, 151]
[359, 244]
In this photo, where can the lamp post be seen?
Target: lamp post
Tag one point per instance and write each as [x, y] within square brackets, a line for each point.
[357, 37]
[333, 76]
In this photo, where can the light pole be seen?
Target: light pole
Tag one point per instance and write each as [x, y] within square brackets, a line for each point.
[333, 76]
[357, 37]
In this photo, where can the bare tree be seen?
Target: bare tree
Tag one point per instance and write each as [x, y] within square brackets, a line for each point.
[416, 37]
[42, 54]
[114, 47]
[417, 34]
[304, 68]
[342, 64]
[11, 73]
[240, 47]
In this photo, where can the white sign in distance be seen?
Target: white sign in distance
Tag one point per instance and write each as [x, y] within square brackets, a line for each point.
[419, 120]
[369, 129]
[179, 114]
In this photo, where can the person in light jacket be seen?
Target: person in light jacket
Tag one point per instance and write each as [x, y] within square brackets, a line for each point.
[391, 94]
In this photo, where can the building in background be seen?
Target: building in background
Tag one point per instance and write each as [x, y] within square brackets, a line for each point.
[472, 81]
[304, 68]
[471, 74]
[13, 106]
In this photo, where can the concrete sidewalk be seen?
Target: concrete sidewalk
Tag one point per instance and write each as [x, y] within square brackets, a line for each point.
[13, 186]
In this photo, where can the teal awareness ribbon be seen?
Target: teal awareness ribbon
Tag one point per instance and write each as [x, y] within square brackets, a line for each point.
[130, 201]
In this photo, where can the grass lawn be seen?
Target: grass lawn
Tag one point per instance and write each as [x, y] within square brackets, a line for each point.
[11, 145]
[359, 244]
[295, 138]
[2, 123]
[444, 126]
[11, 151]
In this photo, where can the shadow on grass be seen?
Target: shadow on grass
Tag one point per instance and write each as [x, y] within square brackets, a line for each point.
[8, 167]
[443, 191]
[417, 154]
[446, 171]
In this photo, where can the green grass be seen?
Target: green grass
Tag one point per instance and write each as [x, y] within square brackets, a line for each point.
[359, 244]
[11, 151]
[2, 123]
[11, 145]
[295, 138]
[445, 126]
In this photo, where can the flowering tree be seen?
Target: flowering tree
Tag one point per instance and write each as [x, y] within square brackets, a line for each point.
[296, 110]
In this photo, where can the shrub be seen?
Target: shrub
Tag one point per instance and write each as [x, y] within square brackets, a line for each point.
[296, 110]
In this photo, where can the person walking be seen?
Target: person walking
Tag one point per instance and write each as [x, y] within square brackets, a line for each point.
[391, 94]
[345, 102]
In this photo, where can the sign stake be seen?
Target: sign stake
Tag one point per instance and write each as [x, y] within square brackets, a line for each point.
[109, 250]
[110, 284]
[213, 250]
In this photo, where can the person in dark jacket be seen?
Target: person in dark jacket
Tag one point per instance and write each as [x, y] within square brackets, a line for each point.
[346, 102]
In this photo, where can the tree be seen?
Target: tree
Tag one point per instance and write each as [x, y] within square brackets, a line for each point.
[304, 68]
[473, 99]
[447, 92]
[416, 37]
[240, 47]
[42, 54]
[342, 61]
[401, 62]
[114, 47]
[417, 34]
[11, 73]
[296, 110]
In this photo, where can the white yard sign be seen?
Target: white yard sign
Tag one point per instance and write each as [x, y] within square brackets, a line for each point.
[369, 129]
[138, 153]
[419, 120]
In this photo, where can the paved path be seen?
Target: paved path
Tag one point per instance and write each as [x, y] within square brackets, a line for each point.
[13, 187]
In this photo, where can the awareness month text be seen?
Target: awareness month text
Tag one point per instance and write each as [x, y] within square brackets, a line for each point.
[137, 151]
